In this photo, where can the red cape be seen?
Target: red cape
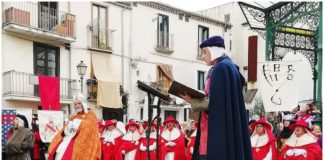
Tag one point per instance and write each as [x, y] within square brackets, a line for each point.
[109, 150]
[143, 154]
[259, 153]
[179, 149]
[191, 144]
[127, 146]
[314, 152]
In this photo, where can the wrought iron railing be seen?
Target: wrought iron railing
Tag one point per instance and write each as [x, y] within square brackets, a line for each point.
[164, 41]
[100, 38]
[26, 85]
[34, 15]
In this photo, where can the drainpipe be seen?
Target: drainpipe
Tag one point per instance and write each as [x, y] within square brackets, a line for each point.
[122, 44]
[130, 52]
[70, 67]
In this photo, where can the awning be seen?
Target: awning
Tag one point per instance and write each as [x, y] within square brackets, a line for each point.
[167, 70]
[108, 84]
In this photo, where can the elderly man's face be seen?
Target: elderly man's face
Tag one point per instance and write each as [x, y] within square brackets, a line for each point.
[259, 129]
[205, 55]
[78, 106]
[16, 122]
[299, 131]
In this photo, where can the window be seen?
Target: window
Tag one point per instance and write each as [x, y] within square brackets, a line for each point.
[48, 15]
[163, 31]
[201, 80]
[170, 113]
[142, 113]
[185, 114]
[203, 34]
[46, 60]
[99, 27]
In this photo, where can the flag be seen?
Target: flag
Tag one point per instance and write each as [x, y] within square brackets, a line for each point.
[50, 123]
[8, 115]
[49, 92]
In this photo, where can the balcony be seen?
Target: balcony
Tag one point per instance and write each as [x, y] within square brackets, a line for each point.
[164, 42]
[99, 39]
[35, 22]
[24, 87]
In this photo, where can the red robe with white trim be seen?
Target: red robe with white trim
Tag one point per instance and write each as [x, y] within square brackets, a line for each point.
[301, 148]
[143, 141]
[191, 144]
[130, 142]
[263, 150]
[109, 150]
[179, 149]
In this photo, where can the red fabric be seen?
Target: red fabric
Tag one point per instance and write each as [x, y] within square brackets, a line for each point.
[261, 152]
[190, 145]
[314, 152]
[109, 150]
[179, 149]
[203, 133]
[127, 146]
[49, 92]
[36, 145]
[67, 154]
[143, 154]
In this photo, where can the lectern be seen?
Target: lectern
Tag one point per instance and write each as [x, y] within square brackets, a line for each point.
[151, 93]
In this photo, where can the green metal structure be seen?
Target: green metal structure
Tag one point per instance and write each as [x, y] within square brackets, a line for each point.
[295, 26]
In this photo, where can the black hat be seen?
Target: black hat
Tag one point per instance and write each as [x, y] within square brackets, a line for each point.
[22, 117]
[217, 41]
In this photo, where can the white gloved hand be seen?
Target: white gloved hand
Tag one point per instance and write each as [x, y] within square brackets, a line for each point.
[152, 147]
[172, 144]
[136, 143]
[290, 152]
[191, 150]
[123, 152]
[300, 152]
[143, 148]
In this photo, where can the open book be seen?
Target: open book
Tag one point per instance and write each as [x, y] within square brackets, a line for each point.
[177, 88]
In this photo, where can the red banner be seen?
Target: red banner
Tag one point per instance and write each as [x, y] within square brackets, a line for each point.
[49, 92]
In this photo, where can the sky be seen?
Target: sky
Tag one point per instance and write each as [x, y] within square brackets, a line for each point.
[194, 5]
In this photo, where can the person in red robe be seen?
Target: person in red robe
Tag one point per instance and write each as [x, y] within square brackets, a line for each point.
[101, 127]
[191, 143]
[263, 141]
[172, 141]
[142, 152]
[130, 143]
[302, 144]
[110, 139]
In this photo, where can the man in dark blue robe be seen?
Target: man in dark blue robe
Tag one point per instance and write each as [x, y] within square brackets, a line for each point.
[227, 133]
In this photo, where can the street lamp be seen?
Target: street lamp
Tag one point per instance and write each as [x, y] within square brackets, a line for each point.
[82, 68]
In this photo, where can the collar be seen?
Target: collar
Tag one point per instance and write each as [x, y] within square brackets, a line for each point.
[307, 138]
[259, 141]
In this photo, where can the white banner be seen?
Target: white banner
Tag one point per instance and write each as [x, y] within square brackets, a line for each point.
[278, 85]
[50, 122]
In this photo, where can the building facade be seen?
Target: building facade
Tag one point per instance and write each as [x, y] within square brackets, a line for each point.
[120, 43]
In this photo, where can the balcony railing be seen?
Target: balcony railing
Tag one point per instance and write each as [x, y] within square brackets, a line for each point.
[100, 38]
[164, 42]
[33, 15]
[25, 85]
